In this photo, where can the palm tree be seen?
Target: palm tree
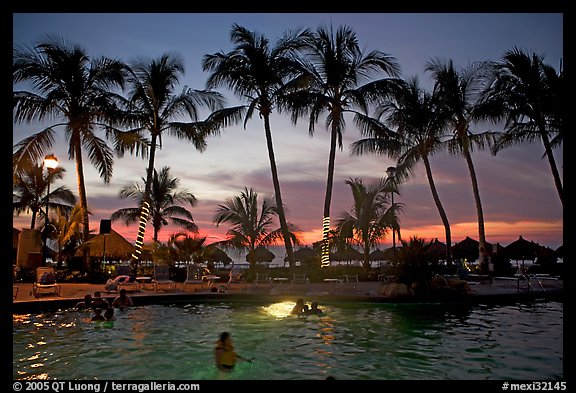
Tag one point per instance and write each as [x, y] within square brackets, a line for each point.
[189, 248]
[250, 224]
[153, 106]
[67, 84]
[335, 68]
[260, 74]
[68, 232]
[526, 93]
[457, 92]
[370, 217]
[420, 123]
[30, 193]
[165, 200]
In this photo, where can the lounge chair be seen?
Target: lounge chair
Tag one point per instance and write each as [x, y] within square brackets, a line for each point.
[261, 278]
[194, 276]
[45, 281]
[125, 279]
[162, 277]
[350, 281]
[299, 278]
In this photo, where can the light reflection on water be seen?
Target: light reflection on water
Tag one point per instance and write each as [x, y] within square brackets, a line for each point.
[349, 341]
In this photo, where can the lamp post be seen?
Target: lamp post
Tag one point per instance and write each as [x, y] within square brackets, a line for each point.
[51, 163]
[391, 172]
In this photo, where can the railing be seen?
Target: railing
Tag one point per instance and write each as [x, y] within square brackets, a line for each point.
[528, 278]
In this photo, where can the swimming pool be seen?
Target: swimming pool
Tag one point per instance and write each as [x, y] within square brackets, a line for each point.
[353, 341]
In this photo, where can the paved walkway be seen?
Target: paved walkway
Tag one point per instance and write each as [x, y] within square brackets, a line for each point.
[497, 287]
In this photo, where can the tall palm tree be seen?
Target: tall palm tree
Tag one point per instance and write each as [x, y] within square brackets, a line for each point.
[526, 93]
[69, 85]
[260, 74]
[165, 203]
[370, 217]
[335, 68]
[251, 224]
[457, 92]
[420, 124]
[30, 193]
[155, 108]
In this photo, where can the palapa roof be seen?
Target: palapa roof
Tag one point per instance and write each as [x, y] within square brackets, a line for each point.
[112, 245]
[304, 252]
[261, 254]
[521, 249]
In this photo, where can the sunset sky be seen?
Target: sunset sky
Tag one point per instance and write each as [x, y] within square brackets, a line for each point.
[516, 186]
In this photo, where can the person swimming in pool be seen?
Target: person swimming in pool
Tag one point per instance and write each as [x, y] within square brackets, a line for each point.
[225, 354]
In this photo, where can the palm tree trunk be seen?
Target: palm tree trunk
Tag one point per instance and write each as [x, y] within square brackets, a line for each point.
[145, 208]
[441, 210]
[83, 205]
[33, 222]
[482, 252]
[278, 196]
[552, 162]
[329, 184]
[367, 256]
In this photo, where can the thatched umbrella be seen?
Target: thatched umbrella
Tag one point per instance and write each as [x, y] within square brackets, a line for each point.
[218, 255]
[347, 254]
[378, 255]
[521, 249]
[111, 245]
[560, 251]
[260, 254]
[436, 250]
[303, 253]
[466, 249]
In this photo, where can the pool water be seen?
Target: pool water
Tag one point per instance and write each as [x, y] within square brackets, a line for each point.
[353, 341]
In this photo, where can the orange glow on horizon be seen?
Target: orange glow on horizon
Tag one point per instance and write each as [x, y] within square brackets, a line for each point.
[496, 232]
[547, 233]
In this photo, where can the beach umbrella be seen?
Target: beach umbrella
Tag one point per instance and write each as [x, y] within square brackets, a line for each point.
[303, 253]
[521, 249]
[218, 255]
[378, 255]
[112, 245]
[347, 253]
[466, 249]
[560, 251]
[436, 249]
[260, 254]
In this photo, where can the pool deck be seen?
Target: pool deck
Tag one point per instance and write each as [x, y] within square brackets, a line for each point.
[495, 291]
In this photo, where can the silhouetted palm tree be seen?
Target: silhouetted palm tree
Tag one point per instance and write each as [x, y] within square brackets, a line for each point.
[189, 248]
[250, 223]
[165, 200]
[420, 124]
[335, 68]
[527, 94]
[67, 84]
[155, 108]
[68, 234]
[30, 193]
[260, 74]
[457, 92]
[370, 217]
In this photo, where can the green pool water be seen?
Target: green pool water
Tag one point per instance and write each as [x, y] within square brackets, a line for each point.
[352, 341]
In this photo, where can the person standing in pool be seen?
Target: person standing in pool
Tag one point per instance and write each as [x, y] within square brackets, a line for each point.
[225, 355]
[123, 301]
[298, 307]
